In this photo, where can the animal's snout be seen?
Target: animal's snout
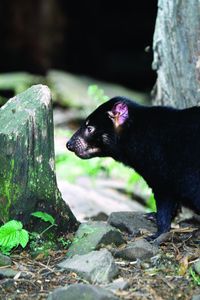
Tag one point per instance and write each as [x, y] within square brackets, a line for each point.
[69, 146]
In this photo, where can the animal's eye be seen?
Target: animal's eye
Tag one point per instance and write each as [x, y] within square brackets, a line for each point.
[90, 129]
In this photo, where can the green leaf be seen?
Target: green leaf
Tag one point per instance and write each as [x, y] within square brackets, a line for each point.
[44, 216]
[12, 234]
[9, 232]
[23, 238]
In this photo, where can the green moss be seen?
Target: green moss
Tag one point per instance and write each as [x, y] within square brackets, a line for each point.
[8, 191]
[91, 236]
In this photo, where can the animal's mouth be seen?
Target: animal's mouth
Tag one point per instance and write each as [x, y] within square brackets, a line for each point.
[87, 153]
[82, 149]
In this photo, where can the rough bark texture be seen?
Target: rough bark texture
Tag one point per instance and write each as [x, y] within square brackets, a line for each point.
[176, 48]
[27, 173]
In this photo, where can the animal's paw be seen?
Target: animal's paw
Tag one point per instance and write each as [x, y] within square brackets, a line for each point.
[151, 216]
[158, 238]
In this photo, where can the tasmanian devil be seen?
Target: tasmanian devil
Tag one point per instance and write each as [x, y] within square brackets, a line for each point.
[161, 143]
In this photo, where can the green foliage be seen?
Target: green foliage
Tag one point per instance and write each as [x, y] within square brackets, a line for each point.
[195, 276]
[64, 242]
[39, 244]
[12, 235]
[44, 217]
[68, 167]
[97, 94]
[151, 203]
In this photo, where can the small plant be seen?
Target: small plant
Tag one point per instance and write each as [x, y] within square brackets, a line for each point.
[38, 244]
[195, 276]
[97, 94]
[46, 218]
[12, 235]
[64, 242]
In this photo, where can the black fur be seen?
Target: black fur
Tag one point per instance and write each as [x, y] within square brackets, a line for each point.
[160, 143]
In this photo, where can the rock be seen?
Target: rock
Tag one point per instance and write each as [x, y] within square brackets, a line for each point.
[90, 198]
[27, 160]
[196, 297]
[197, 267]
[18, 82]
[69, 90]
[140, 249]
[7, 272]
[82, 292]
[91, 235]
[117, 284]
[5, 260]
[132, 222]
[96, 266]
[101, 216]
[62, 117]
[7, 283]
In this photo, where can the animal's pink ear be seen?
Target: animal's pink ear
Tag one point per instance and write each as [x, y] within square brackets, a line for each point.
[119, 113]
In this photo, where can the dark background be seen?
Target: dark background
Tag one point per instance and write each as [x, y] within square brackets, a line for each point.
[102, 39]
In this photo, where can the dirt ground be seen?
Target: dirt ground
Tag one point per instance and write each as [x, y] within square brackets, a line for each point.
[166, 276]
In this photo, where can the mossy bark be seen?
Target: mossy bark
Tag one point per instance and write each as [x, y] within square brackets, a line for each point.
[27, 160]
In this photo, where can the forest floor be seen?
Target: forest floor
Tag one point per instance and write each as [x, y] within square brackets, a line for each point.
[166, 276]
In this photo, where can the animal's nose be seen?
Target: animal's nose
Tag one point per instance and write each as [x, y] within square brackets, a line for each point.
[69, 146]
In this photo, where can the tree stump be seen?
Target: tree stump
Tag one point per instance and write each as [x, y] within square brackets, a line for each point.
[27, 160]
[176, 48]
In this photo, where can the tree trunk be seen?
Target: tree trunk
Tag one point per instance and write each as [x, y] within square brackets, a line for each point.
[27, 173]
[176, 48]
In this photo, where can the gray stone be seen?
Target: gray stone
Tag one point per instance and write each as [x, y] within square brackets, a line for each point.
[82, 292]
[197, 267]
[91, 235]
[7, 272]
[140, 249]
[90, 198]
[117, 284]
[69, 90]
[196, 297]
[18, 81]
[5, 260]
[7, 283]
[96, 266]
[131, 222]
